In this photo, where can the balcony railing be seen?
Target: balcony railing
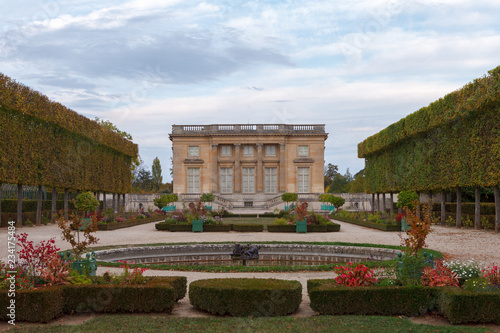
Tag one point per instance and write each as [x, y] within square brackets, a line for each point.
[248, 129]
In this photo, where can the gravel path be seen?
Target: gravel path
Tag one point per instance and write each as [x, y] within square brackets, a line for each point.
[461, 244]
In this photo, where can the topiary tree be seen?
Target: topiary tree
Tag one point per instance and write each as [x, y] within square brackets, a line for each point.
[336, 201]
[165, 199]
[289, 197]
[325, 197]
[85, 202]
[207, 197]
[407, 199]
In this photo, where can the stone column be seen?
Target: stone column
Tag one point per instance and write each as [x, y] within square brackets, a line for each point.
[282, 169]
[237, 169]
[259, 168]
[215, 168]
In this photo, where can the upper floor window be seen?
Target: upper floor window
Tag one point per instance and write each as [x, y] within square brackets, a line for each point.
[270, 150]
[225, 150]
[303, 151]
[194, 151]
[247, 150]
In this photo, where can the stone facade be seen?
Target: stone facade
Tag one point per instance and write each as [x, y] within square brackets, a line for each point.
[248, 165]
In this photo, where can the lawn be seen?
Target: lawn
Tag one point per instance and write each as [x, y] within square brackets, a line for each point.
[161, 323]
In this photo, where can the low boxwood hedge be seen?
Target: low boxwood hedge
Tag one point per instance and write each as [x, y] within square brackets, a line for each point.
[333, 227]
[379, 226]
[217, 228]
[281, 228]
[248, 227]
[246, 297]
[180, 227]
[46, 303]
[37, 305]
[329, 298]
[460, 306]
[126, 224]
[310, 228]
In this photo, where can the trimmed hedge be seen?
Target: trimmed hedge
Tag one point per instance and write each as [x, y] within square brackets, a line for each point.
[44, 304]
[248, 227]
[487, 208]
[246, 297]
[457, 305]
[461, 306]
[217, 228]
[179, 227]
[10, 205]
[37, 305]
[329, 298]
[281, 228]
[379, 226]
[335, 227]
[126, 224]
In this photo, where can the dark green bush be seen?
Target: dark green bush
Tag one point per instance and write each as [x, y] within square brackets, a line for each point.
[248, 227]
[281, 228]
[379, 226]
[217, 228]
[37, 305]
[333, 227]
[181, 227]
[246, 297]
[461, 306]
[468, 208]
[332, 299]
[163, 226]
[317, 228]
[10, 205]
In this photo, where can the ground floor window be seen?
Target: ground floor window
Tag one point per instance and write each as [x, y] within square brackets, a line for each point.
[193, 180]
[271, 175]
[248, 180]
[303, 180]
[226, 180]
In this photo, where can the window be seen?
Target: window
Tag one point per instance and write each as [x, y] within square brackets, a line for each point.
[247, 150]
[303, 180]
[271, 180]
[193, 151]
[248, 180]
[270, 150]
[303, 150]
[225, 150]
[226, 180]
[193, 180]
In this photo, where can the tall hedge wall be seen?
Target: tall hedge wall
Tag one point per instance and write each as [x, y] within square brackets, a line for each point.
[45, 143]
[455, 141]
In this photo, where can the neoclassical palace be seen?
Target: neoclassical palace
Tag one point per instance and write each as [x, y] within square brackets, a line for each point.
[248, 165]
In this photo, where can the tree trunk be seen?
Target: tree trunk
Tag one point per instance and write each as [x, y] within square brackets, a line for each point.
[383, 202]
[373, 202]
[418, 205]
[54, 205]
[118, 210]
[19, 222]
[497, 208]
[378, 201]
[66, 204]
[477, 209]
[1, 195]
[104, 201]
[98, 197]
[38, 220]
[124, 203]
[391, 204]
[114, 203]
[443, 207]
[459, 207]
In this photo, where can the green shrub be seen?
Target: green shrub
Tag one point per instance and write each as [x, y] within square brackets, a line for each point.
[281, 221]
[332, 299]
[36, 305]
[461, 306]
[246, 297]
[181, 227]
[217, 228]
[281, 228]
[289, 197]
[334, 227]
[179, 283]
[248, 227]
[411, 268]
[406, 199]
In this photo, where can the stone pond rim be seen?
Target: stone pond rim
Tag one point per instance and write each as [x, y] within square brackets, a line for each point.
[220, 254]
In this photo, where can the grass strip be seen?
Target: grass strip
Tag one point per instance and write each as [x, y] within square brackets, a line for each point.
[161, 323]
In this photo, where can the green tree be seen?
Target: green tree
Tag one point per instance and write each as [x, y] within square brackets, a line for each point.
[109, 125]
[156, 170]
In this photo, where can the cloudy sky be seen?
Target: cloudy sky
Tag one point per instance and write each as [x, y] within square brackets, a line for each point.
[356, 66]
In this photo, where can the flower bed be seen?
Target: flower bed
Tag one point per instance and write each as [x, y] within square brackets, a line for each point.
[246, 297]
[47, 303]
